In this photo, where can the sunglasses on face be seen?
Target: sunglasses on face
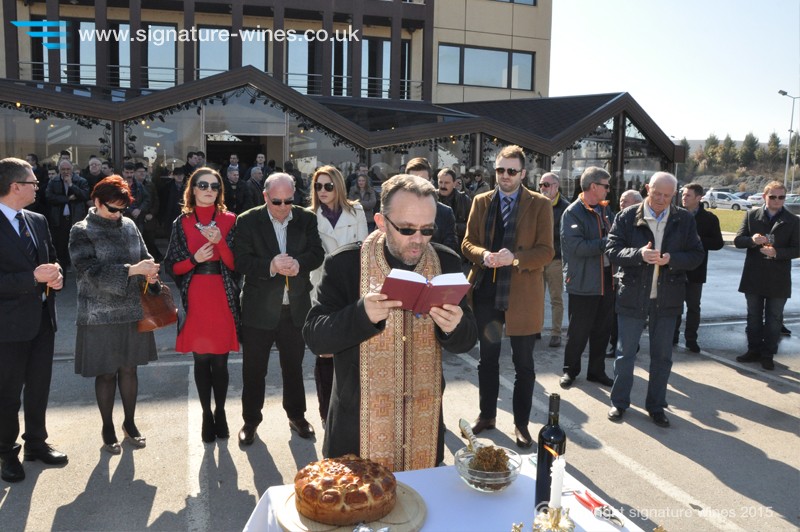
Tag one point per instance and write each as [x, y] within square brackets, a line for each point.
[544, 185]
[205, 185]
[777, 197]
[409, 231]
[114, 210]
[604, 185]
[327, 186]
[510, 171]
[278, 202]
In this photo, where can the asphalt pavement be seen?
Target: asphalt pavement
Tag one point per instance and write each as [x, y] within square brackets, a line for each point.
[728, 462]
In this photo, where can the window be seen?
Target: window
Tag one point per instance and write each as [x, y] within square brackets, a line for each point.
[485, 67]
[304, 65]
[161, 53]
[376, 67]
[213, 56]
[254, 50]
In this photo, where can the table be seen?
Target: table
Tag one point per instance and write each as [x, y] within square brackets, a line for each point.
[452, 505]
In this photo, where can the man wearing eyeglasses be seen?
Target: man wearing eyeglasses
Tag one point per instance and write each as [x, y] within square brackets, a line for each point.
[277, 246]
[654, 245]
[553, 276]
[394, 415]
[66, 196]
[587, 273]
[509, 241]
[771, 235]
[29, 277]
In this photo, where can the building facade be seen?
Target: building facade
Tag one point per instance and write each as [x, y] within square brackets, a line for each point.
[311, 81]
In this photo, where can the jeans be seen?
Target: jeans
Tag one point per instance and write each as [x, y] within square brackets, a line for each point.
[630, 331]
[694, 291]
[764, 320]
[554, 283]
[490, 332]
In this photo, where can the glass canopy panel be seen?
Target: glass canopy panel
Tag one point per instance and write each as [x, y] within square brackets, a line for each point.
[235, 114]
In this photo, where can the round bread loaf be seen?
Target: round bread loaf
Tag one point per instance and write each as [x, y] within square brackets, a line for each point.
[344, 491]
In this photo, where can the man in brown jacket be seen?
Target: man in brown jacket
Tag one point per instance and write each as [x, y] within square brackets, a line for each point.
[509, 240]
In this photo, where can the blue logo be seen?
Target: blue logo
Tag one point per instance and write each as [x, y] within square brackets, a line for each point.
[45, 25]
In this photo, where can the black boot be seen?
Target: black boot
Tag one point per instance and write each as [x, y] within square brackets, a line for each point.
[221, 424]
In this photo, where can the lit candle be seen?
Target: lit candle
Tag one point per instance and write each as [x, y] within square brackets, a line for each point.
[557, 482]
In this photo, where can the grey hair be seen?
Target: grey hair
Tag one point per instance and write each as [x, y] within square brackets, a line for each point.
[407, 182]
[275, 178]
[551, 175]
[664, 176]
[634, 193]
[593, 174]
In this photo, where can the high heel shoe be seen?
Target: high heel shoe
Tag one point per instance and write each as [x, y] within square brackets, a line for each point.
[110, 443]
[133, 435]
[221, 424]
[208, 432]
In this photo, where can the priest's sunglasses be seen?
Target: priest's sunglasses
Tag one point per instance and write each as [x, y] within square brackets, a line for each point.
[410, 231]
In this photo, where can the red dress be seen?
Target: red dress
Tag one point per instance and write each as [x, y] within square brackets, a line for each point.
[209, 326]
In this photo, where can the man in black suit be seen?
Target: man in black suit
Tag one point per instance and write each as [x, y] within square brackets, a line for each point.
[66, 196]
[29, 277]
[277, 246]
[445, 219]
[711, 237]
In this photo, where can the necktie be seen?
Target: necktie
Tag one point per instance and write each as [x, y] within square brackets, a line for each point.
[506, 211]
[27, 239]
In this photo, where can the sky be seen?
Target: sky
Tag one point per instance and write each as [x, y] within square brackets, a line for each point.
[697, 67]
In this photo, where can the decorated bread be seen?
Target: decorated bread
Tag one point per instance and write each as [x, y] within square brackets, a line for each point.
[344, 491]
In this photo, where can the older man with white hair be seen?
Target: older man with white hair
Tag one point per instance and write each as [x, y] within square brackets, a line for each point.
[654, 245]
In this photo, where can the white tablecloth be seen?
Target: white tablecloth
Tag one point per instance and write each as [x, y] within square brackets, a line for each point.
[452, 505]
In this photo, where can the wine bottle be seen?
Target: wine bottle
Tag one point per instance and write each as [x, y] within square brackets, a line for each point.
[551, 437]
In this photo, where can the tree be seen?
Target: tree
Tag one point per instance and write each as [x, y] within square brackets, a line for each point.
[773, 151]
[727, 153]
[711, 150]
[686, 169]
[747, 152]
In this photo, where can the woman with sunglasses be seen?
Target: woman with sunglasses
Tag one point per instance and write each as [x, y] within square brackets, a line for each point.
[363, 193]
[200, 260]
[340, 221]
[112, 267]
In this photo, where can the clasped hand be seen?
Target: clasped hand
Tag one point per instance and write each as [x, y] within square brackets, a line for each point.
[496, 259]
[50, 274]
[654, 256]
[284, 264]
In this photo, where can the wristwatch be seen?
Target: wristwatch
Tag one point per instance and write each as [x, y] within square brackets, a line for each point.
[515, 262]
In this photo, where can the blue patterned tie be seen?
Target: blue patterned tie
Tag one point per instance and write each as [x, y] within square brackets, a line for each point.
[506, 210]
[27, 239]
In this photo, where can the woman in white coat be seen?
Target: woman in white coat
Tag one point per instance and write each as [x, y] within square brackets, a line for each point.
[340, 221]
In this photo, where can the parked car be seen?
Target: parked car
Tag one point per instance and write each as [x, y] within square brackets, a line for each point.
[756, 199]
[723, 200]
[743, 195]
[792, 204]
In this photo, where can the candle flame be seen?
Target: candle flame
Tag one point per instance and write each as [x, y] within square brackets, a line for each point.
[551, 451]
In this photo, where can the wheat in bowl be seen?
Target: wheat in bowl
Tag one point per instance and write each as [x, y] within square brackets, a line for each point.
[490, 470]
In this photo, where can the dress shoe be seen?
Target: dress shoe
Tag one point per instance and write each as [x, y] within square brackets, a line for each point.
[248, 434]
[785, 331]
[133, 435]
[11, 470]
[603, 379]
[482, 424]
[660, 419]
[555, 341]
[692, 346]
[767, 363]
[615, 414]
[750, 356]
[208, 432]
[46, 454]
[110, 442]
[566, 381]
[524, 440]
[302, 427]
[221, 424]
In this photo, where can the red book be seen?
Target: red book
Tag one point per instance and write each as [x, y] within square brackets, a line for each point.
[419, 295]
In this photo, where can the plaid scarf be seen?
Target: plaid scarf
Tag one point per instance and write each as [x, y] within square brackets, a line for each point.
[503, 279]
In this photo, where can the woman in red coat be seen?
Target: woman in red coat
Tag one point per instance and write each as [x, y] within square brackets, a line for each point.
[200, 259]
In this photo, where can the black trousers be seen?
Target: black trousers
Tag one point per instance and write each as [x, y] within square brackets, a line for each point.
[694, 292]
[60, 234]
[256, 345]
[590, 319]
[25, 372]
[490, 333]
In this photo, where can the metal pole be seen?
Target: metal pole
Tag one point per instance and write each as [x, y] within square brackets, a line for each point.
[789, 144]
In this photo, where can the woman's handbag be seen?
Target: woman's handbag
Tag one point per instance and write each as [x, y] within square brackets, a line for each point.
[159, 309]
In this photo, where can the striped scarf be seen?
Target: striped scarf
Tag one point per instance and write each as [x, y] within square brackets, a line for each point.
[503, 279]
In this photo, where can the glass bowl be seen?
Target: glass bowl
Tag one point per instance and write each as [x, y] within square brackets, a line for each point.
[489, 482]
